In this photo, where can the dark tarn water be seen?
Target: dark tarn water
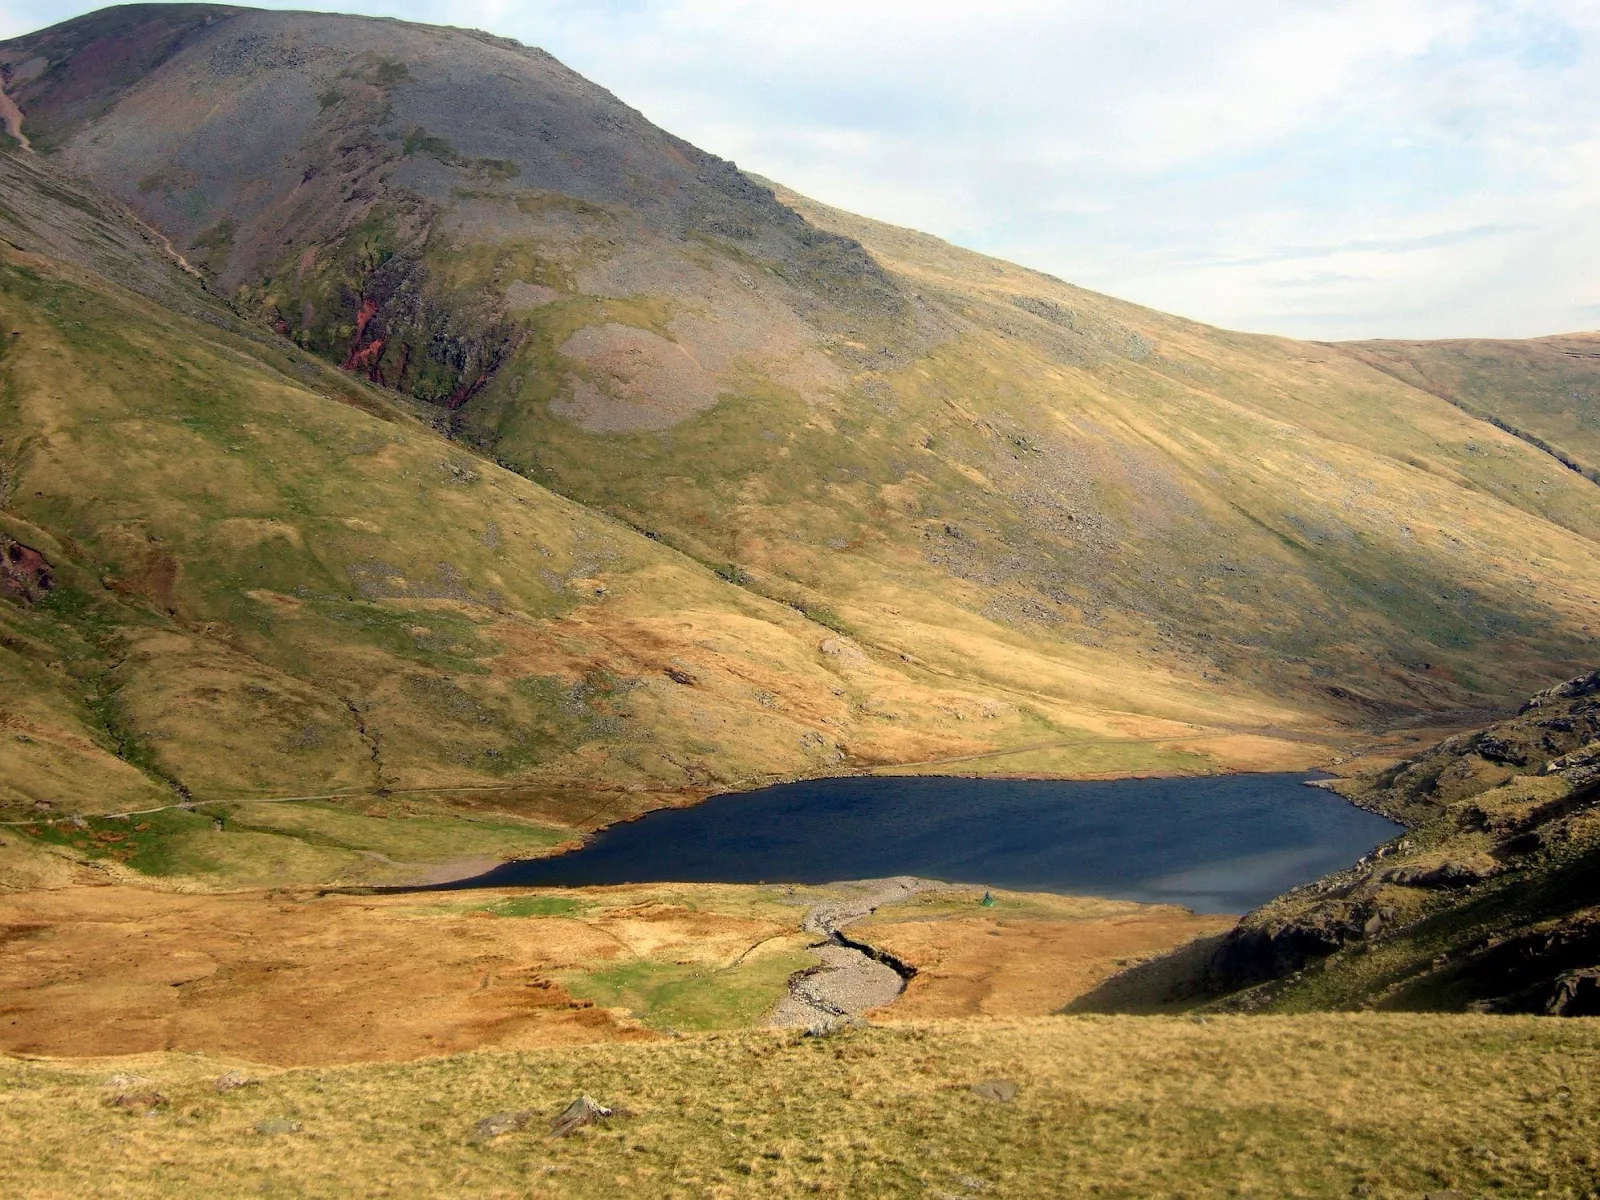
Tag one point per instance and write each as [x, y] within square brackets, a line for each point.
[1216, 844]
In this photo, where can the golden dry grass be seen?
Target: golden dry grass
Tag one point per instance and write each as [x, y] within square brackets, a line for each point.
[293, 977]
[1383, 1106]
[1024, 954]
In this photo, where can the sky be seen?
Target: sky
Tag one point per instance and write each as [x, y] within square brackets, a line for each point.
[1317, 168]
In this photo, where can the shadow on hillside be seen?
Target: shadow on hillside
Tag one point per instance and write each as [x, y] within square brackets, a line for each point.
[1171, 983]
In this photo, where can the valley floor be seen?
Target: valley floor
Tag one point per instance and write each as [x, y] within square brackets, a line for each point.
[1385, 1105]
[367, 1037]
[296, 978]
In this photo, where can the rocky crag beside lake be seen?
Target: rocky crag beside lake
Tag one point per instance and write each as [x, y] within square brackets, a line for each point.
[1216, 844]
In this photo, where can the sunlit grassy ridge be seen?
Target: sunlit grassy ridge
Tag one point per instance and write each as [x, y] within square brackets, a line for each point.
[1026, 457]
[1385, 1106]
[1542, 389]
[271, 844]
[1290, 508]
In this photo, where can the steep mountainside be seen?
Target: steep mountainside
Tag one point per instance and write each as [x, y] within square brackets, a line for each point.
[1491, 901]
[230, 571]
[831, 412]
[512, 442]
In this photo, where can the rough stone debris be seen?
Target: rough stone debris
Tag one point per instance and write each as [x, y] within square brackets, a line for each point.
[845, 983]
[132, 1093]
[1580, 768]
[841, 648]
[1583, 685]
[1537, 959]
[1499, 750]
[585, 1110]
[25, 574]
[850, 977]
[828, 1026]
[1445, 875]
[147, 1100]
[1576, 994]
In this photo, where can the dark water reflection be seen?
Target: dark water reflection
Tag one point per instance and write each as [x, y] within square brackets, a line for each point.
[1218, 844]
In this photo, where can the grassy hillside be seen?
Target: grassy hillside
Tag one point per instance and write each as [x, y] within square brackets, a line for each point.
[1342, 536]
[241, 575]
[1383, 1106]
[1542, 390]
[411, 457]
[558, 469]
[1016, 483]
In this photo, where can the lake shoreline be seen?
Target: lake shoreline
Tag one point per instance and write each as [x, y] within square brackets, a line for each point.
[1212, 843]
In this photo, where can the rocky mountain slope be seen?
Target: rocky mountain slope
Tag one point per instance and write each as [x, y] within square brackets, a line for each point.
[1490, 902]
[825, 409]
[229, 571]
[388, 408]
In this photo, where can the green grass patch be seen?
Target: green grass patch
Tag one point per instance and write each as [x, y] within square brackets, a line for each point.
[410, 837]
[295, 842]
[537, 906]
[694, 997]
[152, 844]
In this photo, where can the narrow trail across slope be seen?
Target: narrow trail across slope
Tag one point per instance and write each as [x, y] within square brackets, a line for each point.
[1443, 393]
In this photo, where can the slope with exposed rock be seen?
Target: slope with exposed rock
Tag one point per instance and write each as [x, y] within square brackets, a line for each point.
[515, 444]
[1490, 902]
[231, 573]
[836, 414]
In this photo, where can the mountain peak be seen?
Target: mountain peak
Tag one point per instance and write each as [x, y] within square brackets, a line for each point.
[1005, 494]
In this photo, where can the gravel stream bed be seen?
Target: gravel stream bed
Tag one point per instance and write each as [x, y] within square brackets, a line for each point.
[848, 981]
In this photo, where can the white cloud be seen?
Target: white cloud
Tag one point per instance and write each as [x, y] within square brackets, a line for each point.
[1324, 168]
